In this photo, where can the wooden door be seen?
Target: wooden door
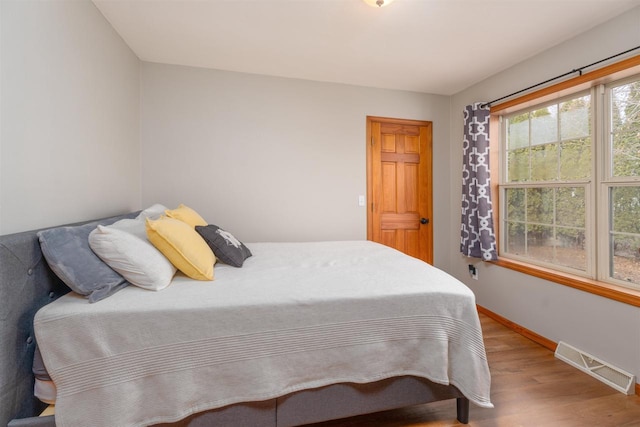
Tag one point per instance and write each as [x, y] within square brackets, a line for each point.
[399, 185]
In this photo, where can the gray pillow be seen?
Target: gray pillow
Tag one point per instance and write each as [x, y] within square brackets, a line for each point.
[67, 252]
[225, 247]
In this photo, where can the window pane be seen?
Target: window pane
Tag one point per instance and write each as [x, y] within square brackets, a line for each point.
[575, 159]
[544, 125]
[540, 244]
[540, 205]
[518, 132]
[575, 118]
[625, 129]
[625, 209]
[515, 204]
[570, 207]
[518, 167]
[544, 162]
[626, 153]
[515, 241]
[625, 263]
[570, 248]
[625, 233]
[570, 238]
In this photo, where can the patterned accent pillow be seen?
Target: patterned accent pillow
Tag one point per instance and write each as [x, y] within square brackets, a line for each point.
[225, 247]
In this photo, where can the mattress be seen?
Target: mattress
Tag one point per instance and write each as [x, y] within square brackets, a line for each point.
[295, 316]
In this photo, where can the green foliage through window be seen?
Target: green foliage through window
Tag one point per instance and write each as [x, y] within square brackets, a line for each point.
[551, 143]
[625, 129]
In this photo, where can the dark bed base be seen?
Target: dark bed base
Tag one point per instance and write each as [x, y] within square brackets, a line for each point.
[312, 406]
[27, 283]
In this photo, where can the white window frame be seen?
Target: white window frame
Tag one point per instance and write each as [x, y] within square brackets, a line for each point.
[587, 184]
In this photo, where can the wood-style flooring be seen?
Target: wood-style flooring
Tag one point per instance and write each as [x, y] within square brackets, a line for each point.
[530, 388]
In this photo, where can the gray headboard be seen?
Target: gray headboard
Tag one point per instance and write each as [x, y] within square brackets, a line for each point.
[26, 284]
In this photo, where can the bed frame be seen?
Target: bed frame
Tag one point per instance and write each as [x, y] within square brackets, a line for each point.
[27, 283]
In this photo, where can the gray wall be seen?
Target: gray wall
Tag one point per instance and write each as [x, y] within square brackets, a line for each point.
[602, 327]
[274, 159]
[69, 133]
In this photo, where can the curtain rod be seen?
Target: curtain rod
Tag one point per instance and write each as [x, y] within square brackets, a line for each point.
[576, 70]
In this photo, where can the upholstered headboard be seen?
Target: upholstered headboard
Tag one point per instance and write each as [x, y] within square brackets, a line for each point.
[26, 284]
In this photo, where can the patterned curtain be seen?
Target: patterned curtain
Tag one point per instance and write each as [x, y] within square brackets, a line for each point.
[477, 238]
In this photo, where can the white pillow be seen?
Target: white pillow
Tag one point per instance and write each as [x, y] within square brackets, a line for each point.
[152, 212]
[124, 247]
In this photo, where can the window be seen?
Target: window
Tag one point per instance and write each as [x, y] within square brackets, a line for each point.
[622, 183]
[569, 190]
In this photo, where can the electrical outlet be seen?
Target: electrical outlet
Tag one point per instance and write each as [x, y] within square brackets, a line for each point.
[473, 271]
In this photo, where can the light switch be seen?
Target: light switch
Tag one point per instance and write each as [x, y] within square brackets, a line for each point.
[361, 200]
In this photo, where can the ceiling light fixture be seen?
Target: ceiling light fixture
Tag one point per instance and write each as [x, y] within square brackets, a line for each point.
[378, 3]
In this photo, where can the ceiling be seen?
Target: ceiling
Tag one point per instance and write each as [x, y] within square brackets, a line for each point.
[431, 46]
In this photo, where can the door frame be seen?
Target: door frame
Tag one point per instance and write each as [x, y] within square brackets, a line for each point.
[428, 158]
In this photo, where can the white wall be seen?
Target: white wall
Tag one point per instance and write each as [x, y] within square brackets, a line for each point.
[602, 327]
[69, 138]
[273, 159]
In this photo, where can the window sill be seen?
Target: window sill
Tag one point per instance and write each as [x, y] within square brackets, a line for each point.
[607, 290]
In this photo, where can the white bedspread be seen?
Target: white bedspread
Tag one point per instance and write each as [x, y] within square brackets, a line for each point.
[295, 316]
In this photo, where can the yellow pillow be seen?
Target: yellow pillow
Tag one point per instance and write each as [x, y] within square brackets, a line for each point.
[183, 246]
[186, 214]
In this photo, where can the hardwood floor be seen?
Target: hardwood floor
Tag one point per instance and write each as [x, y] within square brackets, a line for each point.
[530, 388]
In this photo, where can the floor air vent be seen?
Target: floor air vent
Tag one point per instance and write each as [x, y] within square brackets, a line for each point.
[610, 375]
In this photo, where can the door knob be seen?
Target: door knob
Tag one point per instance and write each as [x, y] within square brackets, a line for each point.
[424, 221]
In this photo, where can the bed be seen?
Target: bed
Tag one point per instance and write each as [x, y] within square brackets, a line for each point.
[346, 335]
